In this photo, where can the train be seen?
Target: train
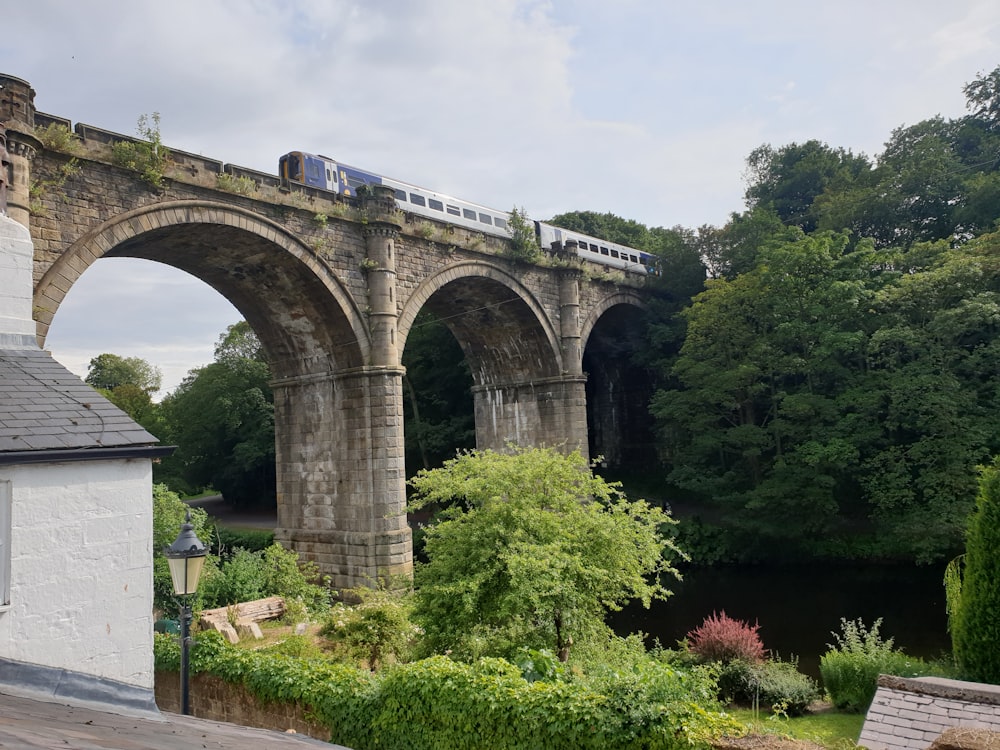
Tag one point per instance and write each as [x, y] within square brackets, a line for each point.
[328, 174]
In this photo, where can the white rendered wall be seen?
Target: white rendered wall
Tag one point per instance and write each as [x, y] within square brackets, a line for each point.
[81, 580]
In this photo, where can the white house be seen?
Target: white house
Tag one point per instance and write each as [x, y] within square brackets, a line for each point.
[76, 587]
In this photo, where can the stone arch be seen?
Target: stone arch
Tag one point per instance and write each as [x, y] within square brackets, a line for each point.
[299, 309]
[619, 427]
[499, 323]
[620, 297]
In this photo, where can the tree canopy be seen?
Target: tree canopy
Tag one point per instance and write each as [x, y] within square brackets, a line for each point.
[221, 418]
[531, 550]
[109, 371]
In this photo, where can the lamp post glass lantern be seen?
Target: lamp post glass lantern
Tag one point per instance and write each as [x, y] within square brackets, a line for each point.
[186, 557]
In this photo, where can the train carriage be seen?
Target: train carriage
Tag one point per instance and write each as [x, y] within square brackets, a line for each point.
[328, 174]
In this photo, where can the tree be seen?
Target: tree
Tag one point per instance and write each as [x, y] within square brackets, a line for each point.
[982, 97]
[108, 371]
[975, 612]
[221, 418]
[789, 179]
[531, 552]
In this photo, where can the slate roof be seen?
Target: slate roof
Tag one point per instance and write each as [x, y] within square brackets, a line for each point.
[45, 407]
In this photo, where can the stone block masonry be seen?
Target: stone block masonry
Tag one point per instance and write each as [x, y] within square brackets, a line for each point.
[909, 714]
[332, 286]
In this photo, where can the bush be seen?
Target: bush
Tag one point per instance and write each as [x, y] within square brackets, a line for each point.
[376, 629]
[850, 669]
[225, 541]
[774, 685]
[439, 704]
[974, 598]
[275, 571]
[723, 639]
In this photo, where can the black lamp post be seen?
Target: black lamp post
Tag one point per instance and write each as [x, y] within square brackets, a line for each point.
[186, 556]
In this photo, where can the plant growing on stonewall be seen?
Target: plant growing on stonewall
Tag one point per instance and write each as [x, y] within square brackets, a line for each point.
[148, 156]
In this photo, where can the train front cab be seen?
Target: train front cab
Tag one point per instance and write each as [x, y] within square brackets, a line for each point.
[298, 166]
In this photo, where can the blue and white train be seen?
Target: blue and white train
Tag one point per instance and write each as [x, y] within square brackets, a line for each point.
[328, 174]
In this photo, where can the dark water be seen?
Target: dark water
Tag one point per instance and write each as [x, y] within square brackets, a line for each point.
[797, 607]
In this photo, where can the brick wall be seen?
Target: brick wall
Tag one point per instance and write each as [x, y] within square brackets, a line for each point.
[213, 698]
[907, 714]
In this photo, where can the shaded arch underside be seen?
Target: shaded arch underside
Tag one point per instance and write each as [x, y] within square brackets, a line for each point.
[305, 321]
[619, 389]
[501, 329]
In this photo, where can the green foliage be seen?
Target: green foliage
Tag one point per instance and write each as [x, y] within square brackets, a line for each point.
[57, 137]
[974, 607]
[149, 157]
[239, 579]
[788, 180]
[440, 704]
[169, 512]
[39, 189]
[274, 571]
[851, 667]
[774, 685]
[109, 371]
[255, 540]
[721, 638]
[532, 551]
[238, 185]
[374, 630]
[524, 242]
[221, 418]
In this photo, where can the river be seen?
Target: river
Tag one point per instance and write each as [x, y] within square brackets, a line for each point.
[798, 607]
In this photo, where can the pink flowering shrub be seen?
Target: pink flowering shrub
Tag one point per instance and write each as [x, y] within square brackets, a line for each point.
[723, 639]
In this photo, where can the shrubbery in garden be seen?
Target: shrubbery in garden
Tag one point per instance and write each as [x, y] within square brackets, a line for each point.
[851, 667]
[723, 639]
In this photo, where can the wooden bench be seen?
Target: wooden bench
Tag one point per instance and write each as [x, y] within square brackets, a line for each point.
[245, 615]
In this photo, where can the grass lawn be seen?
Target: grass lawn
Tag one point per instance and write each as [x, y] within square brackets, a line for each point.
[831, 729]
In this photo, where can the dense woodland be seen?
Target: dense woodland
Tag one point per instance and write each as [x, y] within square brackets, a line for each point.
[826, 365]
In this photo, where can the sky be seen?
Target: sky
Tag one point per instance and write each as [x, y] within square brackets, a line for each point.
[643, 108]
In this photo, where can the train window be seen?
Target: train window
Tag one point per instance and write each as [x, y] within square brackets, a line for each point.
[401, 195]
[485, 218]
[436, 205]
[604, 250]
[454, 211]
[417, 200]
[633, 259]
[468, 213]
[614, 253]
[502, 223]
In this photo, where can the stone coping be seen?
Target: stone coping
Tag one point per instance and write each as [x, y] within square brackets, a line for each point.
[940, 687]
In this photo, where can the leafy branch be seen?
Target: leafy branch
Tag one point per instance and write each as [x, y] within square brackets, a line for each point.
[149, 157]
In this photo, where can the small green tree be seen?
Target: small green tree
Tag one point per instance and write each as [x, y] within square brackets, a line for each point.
[524, 241]
[377, 628]
[148, 156]
[531, 552]
[975, 607]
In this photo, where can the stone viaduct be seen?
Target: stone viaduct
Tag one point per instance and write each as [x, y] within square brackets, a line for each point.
[332, 287]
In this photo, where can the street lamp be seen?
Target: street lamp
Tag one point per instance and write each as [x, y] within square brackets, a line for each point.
[186, 556]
